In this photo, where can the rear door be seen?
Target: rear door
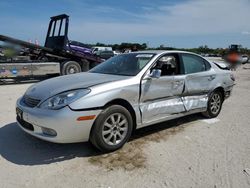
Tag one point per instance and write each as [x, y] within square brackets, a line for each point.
[198, 78]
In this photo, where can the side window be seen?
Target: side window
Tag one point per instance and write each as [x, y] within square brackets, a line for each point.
[168, 64]
[193, 64]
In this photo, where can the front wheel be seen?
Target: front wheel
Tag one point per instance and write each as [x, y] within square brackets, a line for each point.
[112, 128]
[214, 105]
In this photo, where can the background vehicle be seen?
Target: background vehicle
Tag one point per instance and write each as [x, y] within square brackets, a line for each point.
[126, 92]
[59, 55]
[105, 54]
[101, 48]
[245, 59]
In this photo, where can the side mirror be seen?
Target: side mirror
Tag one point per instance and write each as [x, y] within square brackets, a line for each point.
[156, 73]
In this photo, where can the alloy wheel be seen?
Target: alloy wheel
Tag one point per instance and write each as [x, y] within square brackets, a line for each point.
[115, 129]
[215, 104]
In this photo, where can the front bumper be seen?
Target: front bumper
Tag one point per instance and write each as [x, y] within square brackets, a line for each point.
[64, 122]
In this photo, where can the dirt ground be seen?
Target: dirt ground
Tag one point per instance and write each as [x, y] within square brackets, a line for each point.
[187, 152]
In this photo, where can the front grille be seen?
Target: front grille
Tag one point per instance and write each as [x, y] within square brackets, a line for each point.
[25, 124]
[30, 102]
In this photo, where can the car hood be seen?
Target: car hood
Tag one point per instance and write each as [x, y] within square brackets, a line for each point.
[48, 88]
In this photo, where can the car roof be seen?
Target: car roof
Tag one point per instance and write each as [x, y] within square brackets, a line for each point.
[163, 51]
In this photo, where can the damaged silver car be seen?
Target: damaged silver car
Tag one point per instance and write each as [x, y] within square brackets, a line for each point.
[126, 92]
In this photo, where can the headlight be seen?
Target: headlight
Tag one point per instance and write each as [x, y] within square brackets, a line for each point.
[63, 99]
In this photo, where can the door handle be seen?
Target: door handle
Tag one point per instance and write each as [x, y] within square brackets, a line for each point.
[212, 77]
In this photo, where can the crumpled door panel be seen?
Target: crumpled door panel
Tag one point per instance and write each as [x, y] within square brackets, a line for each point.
[194, 102]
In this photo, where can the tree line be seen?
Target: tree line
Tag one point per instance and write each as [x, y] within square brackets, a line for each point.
[143, 46]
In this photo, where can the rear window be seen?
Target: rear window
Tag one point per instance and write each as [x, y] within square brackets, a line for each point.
[194, 64]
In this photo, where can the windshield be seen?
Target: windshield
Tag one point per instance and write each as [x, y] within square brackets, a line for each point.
[125, 64]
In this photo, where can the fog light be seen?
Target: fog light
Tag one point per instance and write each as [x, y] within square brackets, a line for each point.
[49, 132]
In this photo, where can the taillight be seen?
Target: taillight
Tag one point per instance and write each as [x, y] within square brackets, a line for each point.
[232, 77]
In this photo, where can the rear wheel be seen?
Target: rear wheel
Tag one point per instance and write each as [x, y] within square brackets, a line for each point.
[214, 104]
[70, 67]
[112, 128]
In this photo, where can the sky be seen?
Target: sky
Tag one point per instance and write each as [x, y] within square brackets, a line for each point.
[175, 23]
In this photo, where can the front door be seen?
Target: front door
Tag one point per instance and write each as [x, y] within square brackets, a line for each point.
[161, 97]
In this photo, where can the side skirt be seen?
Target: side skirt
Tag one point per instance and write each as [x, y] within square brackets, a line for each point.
[172, 116]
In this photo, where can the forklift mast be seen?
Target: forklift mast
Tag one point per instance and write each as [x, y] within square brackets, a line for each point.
[57, 35]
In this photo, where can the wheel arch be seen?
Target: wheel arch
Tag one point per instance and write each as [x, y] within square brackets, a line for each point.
[221, 90]
[124, 103]
[208, 112]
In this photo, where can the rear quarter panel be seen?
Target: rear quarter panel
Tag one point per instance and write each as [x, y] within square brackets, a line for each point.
[223, 79]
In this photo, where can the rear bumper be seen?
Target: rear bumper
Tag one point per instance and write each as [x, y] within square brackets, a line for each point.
[36, 121]
[227, 94]
[228, 91]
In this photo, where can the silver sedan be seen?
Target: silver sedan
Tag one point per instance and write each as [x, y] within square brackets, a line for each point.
[126, 92]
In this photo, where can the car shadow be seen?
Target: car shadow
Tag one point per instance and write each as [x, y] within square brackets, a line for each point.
[20, 148]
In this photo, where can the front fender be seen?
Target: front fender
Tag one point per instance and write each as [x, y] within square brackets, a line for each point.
[102, 94]
[102, 97]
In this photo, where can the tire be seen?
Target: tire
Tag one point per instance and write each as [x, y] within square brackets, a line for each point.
[109, 135]
[214, 104]
[70, 67]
